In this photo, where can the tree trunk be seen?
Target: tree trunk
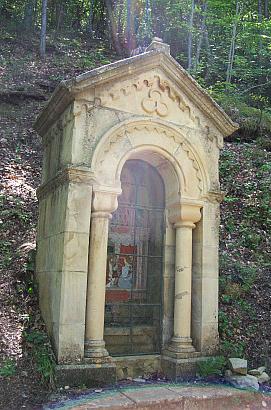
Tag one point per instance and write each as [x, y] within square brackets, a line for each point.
[129, 24]
[59, 16]
[202, 31]
[43, 29]
[260, 20]
[209, 54]
[232, 47]
[28, 14]
[190, 29]
[266, 11]
[113, 26]
[131, 41]
[90, 17]
[260, 11]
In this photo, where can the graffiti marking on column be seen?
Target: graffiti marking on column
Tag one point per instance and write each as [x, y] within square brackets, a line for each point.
[181, 268]
[181, 295]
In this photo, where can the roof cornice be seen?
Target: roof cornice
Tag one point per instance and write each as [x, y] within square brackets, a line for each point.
[67, 90]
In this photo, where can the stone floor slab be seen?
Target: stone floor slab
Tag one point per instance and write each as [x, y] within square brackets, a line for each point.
[150, 395]
[168, 397]
[107, 401]
[204, 392]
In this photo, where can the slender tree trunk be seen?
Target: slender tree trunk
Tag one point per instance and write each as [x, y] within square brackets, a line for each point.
[260, 20]
[59, 16]
[120, 8]
[90, 17]
[43, 29]
[129, 25]
[260, 11]
[190, 36]
[202, 32]
[131, 42]
[233, 40]
[113, 26]
[148, 24]
[35, 13]
[209, 54]
[28, 14]
[266, 11]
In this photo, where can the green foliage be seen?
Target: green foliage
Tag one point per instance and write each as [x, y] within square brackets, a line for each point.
[8, 368]
[224, 324]
[5, 250]
[42, 355]
[231, 348]
[239, 282]
[45, 364]
[212, 366]
[250, 111]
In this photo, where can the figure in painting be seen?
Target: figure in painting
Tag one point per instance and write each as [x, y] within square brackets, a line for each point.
[125, 279]
[112, 271]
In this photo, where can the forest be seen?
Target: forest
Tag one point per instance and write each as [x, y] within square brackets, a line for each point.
[226, 46]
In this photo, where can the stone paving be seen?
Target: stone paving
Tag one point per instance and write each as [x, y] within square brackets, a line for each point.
[167, 396]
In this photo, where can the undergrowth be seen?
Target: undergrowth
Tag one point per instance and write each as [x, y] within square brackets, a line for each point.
[42, 355]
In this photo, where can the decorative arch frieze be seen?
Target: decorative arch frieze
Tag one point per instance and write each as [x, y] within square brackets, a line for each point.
[153, 135]
[153, 94]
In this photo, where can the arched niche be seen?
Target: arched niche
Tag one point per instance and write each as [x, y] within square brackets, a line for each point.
[179, 162]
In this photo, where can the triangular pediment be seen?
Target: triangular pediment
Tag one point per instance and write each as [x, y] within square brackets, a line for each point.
[151, 84]
[154, 94]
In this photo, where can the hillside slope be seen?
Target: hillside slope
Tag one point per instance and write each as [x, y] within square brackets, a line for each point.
[245, 294]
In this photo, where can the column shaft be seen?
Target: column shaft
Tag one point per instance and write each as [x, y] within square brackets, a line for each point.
[96, 286]
[183, 283]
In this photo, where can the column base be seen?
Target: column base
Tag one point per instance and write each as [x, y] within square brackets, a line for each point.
[95, 350]
[181, 368]
[180, 347]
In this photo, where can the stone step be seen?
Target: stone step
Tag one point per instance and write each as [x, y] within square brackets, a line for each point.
[170, 397]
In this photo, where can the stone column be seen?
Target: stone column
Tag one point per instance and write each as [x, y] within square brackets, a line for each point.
[184, 216]
[103, 204]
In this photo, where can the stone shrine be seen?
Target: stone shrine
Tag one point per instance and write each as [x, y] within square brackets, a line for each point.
[127, 242]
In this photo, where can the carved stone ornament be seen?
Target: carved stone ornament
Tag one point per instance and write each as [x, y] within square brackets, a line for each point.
[154, 103]
[157, 96]
[121, 142]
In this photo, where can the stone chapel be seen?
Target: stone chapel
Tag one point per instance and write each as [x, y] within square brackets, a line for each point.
[127, 241]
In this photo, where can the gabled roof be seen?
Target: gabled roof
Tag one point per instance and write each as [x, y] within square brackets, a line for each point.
[159, 57]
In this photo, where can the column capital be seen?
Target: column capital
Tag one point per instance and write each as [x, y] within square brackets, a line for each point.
[185, 213]
[104, 201]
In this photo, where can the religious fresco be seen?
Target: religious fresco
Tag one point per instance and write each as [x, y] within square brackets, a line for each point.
[133, 230]
[134, 263]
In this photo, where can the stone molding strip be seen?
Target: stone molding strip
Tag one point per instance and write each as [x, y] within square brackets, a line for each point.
[77, 175]
[214, 196]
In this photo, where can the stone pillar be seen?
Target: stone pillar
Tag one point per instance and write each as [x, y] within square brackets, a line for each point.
[181, 340]
[183, 216]
[205, 276]
[103, 204]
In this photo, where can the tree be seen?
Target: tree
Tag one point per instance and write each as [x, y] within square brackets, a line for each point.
[266, 7]
[131, 35]
[90, 17]
[202, 34]
[28, 14]
[43, 29]
[190, 34]
[113, 27]
[233, 41]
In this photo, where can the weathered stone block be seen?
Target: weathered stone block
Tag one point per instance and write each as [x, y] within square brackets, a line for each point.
[89, 375]
[238, 366]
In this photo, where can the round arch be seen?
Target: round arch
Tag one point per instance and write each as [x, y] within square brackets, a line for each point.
[161, 144]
